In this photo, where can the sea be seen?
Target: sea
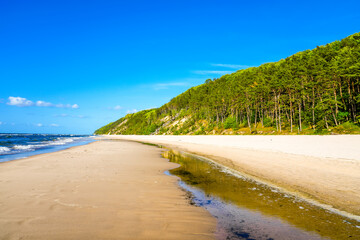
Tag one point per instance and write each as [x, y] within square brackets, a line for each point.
[21, 145]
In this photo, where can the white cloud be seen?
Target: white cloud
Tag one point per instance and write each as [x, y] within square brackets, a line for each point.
[209, 72]
[180, 82]
[39, 124]
[54, 125]
[117, 107]
[61, 115]
[67, 115]
[23, 102]
[235, 66]
[75, 106]
[19, 102]
[131, 111]
[43, 104]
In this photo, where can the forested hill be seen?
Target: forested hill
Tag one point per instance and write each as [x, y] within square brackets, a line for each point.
[310, 92]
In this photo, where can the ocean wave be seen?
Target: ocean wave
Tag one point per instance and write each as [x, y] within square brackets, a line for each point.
[23, 147]
[62, 141]
[24, 143]
[4, 149]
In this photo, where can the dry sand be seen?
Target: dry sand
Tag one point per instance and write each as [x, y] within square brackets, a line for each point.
[322, 168]
[104, 190]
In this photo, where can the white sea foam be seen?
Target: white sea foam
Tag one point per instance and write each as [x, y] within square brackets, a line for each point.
[4, 149]
[23, 147]
[61, 141]
[32, 146]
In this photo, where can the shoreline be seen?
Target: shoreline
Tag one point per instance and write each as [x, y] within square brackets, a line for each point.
[43, 150]
[46, 153]
[102, 190]
[329, 183]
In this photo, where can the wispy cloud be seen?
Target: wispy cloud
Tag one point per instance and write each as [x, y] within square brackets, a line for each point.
[46, 125]
[210, 72]
[174, 83]
[62, 115]
[235, 66]
[43, 104]
[117, 107]
[131, 111]
[74, 106]
[68, 115]
[221, 72]
[160, 86]
[1, 123]
[23, 102]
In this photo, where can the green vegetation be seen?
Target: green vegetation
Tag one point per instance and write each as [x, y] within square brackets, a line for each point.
[310, 92]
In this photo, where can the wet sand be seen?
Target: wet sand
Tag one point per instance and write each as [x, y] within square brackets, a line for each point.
[255, 211]
[103, 190]
[323, 168]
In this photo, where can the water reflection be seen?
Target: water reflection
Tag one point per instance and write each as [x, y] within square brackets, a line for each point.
[246, 209]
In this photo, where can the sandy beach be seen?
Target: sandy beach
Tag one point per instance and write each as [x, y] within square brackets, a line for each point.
[322, 168]
[103, 190]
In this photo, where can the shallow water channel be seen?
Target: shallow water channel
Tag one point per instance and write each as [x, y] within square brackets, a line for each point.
[246, 209]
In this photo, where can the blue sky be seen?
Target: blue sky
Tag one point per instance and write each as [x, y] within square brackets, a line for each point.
[74, 66]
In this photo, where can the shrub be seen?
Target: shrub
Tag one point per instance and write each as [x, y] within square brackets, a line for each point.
[230, 122]
[342, 116]
[268, 122]
[348, 127]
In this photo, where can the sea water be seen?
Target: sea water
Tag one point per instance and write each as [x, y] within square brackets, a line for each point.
[19, 145]
[246, 209]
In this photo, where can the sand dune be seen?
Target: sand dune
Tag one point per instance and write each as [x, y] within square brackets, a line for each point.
[323, 168]
[104, 190]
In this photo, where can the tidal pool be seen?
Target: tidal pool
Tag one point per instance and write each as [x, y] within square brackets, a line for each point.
[246, 209]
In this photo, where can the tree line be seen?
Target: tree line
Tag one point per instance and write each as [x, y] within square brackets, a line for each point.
[317, 88]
